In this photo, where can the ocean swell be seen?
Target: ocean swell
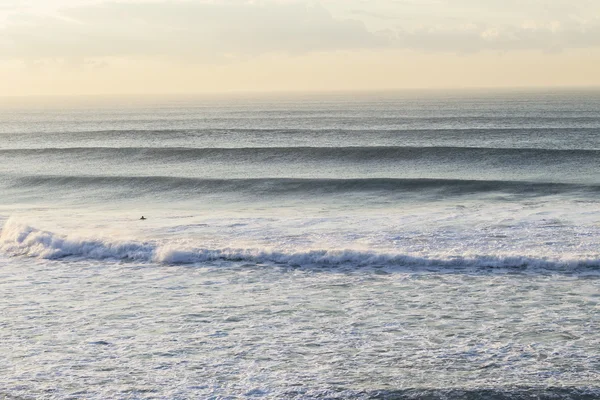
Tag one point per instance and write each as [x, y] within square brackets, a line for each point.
[311, 153]
[284, 186]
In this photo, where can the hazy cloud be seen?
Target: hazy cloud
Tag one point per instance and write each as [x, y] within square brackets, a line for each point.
[468, 39]
[229, 29]
[202, 30]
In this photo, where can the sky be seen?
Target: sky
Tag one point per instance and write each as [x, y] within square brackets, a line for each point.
[81, 47]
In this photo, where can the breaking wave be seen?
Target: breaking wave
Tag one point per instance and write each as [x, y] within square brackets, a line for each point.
[17, 239]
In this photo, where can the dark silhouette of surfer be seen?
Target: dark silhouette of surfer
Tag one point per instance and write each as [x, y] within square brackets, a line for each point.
[143, 218]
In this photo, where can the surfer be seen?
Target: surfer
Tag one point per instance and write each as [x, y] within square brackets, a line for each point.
[143, 218]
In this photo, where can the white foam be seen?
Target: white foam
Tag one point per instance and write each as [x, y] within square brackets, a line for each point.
[18, 239]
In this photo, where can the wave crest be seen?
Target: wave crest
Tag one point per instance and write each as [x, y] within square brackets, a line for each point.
[17, 239]
[288, 186]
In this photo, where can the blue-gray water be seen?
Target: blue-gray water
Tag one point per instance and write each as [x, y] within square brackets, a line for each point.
[391, 245]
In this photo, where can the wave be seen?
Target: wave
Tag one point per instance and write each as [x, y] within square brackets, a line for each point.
[521, 392]
[289, 186]
[393, 131]
[17, 239]
[286, 154]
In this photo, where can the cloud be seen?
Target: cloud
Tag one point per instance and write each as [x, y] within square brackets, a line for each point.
[473, 38]
[217, 31]
[201, 30]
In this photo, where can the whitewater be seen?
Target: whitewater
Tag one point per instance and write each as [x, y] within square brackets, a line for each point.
[367, 245]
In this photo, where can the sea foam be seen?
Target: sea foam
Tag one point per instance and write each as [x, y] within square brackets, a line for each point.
[18, 239]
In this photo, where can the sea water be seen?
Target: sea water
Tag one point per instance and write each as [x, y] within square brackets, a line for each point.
[372, 245]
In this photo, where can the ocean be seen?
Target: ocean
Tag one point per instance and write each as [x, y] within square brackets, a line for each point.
[394, 245]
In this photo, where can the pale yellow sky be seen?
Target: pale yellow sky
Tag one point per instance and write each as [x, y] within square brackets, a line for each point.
[71, 47]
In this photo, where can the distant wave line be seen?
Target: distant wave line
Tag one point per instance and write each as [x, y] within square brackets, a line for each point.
[390, 130]
[355, 153]
[283, 186]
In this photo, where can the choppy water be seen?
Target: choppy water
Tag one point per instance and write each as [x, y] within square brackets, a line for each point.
[332, 246]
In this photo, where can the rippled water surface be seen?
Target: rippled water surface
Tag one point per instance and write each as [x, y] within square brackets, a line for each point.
[389, 246]
[99, 330]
